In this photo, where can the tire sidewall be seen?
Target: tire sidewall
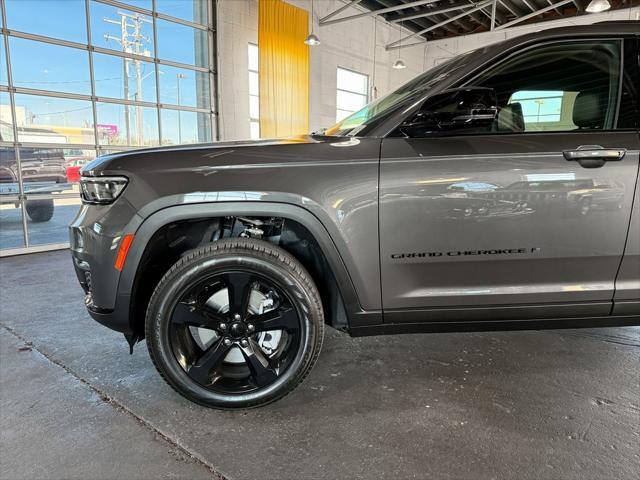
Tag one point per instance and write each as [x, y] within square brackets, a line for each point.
[175, 284]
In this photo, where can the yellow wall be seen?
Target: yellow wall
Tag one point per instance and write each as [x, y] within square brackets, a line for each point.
[284, 69]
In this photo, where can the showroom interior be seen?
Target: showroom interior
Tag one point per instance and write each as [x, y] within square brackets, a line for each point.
[80, 79]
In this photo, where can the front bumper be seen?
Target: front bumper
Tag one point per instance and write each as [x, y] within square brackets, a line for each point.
[116, 318]
[95, 237]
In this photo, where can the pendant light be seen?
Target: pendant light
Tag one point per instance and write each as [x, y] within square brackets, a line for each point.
[597, 6]
[312, 39]
[399, 63]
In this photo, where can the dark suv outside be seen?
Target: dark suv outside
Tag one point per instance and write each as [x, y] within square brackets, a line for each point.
[498, 190]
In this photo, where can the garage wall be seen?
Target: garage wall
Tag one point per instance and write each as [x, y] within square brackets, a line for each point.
[349, 45]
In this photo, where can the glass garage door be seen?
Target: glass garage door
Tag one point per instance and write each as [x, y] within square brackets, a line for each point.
[82, 78]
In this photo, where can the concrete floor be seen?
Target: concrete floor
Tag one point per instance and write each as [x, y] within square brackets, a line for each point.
[517, 405]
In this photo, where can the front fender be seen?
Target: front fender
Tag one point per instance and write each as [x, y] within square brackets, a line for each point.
[330, 242]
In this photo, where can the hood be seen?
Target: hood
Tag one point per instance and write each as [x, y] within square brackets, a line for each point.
[118, 161]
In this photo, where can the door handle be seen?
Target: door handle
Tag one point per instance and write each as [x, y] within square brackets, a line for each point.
[594, 156]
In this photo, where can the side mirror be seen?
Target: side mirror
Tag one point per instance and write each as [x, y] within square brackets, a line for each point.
[459, 110]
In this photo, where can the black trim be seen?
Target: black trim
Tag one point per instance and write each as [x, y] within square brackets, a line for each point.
[479, 313]
[116, 319]
[626, 307]
[533, 324]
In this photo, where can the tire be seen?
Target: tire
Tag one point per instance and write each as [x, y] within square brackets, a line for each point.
[178, 306]
[40, 210]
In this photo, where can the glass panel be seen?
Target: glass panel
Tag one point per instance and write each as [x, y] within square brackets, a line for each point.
[342, 114]
[146, 4]
[127, 125]
[44, 171]
[185, 127]
[183, 44]
[254, 57]
[65, 20]
[49, 218]
[11, 233]
[107, 29]
[109, 151]
[8, 172]
[350, 101]
[539, 106]
[557, 88]
[352, 81]
[109, 72]
[75, 159]
[49, 67]
[254, 106]
[53, 120]
[254, 130]
[179, 86]
[6, 121]
[254, 84]
[194, 11]
[4, 76]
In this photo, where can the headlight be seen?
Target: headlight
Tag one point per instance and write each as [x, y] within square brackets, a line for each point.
[102, 190]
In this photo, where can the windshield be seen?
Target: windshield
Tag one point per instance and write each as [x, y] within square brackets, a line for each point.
[355, 122]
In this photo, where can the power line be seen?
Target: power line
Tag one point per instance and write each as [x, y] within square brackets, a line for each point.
[33, 115]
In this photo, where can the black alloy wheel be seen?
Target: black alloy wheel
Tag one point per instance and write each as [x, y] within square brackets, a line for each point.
[237, 323]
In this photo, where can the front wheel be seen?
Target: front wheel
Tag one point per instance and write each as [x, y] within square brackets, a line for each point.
[235, 324]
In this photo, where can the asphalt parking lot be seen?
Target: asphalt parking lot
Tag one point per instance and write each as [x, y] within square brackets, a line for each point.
[561, 404]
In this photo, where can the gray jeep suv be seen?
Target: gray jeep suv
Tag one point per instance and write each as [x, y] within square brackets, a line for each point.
[498, 190]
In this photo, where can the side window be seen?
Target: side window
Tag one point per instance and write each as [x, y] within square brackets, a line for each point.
[559, 87]
[565, 86]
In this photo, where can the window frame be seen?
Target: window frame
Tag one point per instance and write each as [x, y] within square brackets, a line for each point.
[88, 43]
[338, 89]
[253, 120]
[92, 48]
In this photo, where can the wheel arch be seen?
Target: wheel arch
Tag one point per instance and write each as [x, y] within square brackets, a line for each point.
[308, 241]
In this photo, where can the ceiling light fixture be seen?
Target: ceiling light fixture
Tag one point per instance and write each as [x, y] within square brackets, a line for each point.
[312, 39]
[597, 6]
[399, 63]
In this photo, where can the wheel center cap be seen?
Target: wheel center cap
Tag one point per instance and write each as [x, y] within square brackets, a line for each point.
[238, 329]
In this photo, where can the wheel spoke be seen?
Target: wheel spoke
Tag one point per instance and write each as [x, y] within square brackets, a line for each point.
[261, 371]
[239, 287]
[188, 313]
[284, 318]
[202, 368]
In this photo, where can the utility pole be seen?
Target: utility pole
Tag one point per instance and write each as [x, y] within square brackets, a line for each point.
[131, 40]
[179, 76]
